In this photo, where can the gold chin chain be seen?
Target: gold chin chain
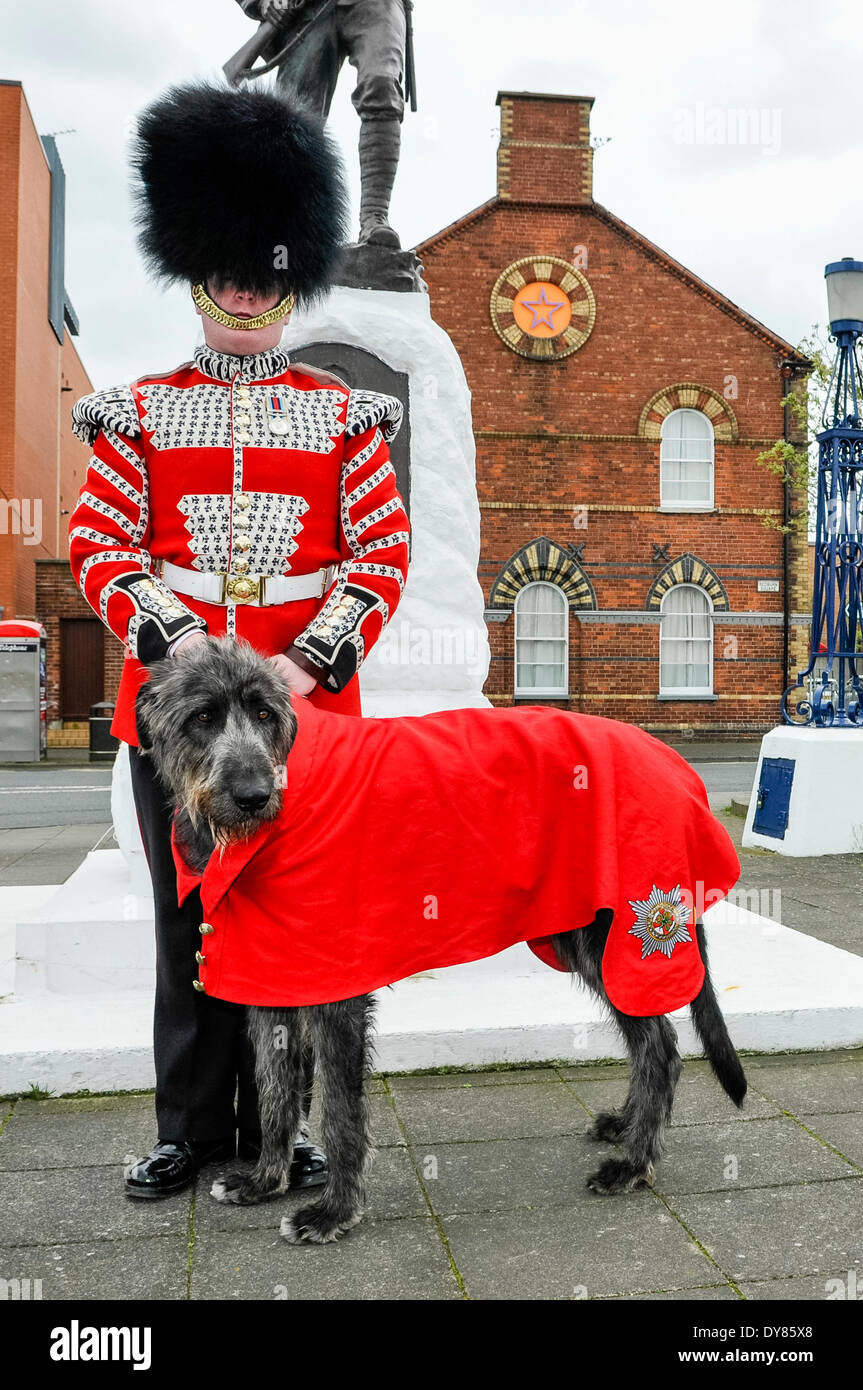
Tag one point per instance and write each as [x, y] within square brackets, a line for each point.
[209, 307]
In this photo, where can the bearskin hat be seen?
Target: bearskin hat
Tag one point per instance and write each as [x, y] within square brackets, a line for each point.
[238, 186]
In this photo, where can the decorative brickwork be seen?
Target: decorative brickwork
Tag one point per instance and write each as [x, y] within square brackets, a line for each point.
[542, 559]
[688, 569]
[688, 395]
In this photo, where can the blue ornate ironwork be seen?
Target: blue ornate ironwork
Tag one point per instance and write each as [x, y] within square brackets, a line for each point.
[833, 677]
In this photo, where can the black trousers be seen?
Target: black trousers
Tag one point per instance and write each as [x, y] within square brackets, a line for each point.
[205, 1085]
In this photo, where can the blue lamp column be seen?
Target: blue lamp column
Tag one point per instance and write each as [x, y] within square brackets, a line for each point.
[836, 642]
[807, 794]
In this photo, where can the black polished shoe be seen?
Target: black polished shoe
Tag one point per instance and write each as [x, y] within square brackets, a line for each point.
[309, 1166]
[170, 1167]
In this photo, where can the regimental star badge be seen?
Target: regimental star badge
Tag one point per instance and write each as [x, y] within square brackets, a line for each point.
[660, 921]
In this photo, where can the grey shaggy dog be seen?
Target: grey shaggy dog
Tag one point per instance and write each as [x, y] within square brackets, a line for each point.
[219, 726]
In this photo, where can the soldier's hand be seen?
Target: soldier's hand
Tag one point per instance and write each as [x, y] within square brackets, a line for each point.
[278, 11]
[190, 643]
[294, 676]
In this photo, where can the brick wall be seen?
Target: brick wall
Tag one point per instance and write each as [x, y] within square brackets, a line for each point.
[58, 597]
[555, 436]
[42, 464]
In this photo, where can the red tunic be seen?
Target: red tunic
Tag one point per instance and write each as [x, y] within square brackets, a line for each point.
[282, 468]
[413, 843]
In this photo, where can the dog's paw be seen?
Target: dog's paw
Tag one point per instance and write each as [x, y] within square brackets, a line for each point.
[316, 1225]
[619, 1175]
[608, 1127]
[237, 1189]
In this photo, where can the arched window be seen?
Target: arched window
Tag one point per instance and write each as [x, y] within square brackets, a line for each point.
[542, 641]
[686, 461]
[686, 642]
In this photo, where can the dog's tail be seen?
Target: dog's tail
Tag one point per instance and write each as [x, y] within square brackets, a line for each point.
[711, 1029]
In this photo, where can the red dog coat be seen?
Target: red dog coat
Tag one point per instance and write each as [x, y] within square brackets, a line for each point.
[412, 843]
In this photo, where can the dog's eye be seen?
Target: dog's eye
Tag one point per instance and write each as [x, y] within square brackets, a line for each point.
[204, 716]
[263, 714]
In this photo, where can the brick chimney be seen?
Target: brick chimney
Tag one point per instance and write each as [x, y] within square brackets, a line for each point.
[544, 155]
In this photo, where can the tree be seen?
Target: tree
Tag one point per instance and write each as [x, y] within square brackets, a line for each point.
[795, 460]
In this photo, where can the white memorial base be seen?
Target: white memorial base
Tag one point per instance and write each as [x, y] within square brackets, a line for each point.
[779, 989]
[825, 813]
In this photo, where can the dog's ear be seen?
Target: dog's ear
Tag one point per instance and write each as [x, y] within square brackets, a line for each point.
[143, 700]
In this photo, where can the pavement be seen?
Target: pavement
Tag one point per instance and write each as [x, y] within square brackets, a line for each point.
[478, 1188]
[477, 1192]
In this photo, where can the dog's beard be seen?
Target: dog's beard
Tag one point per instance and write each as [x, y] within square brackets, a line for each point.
[226, 833]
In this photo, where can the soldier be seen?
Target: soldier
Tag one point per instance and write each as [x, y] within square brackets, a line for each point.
[240, 493]
[371, 34]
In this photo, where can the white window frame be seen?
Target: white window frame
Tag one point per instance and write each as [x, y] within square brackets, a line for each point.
[690, 690]
[542, 692]
[676, 504]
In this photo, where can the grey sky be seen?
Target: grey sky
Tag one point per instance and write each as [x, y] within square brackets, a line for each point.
[757, 220]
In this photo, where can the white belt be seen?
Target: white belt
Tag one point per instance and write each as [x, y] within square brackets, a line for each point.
[259, 589]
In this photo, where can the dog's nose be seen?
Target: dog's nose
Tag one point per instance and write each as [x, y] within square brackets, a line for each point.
[250, 796]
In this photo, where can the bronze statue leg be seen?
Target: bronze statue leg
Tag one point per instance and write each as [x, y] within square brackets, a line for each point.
[374, 34]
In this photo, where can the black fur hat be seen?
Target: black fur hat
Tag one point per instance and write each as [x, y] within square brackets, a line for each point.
[241, 186]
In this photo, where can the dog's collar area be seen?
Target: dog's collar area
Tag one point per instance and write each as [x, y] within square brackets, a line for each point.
[252, 366]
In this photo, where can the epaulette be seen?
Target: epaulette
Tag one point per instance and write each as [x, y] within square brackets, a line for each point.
[113, 409]
[367, 408]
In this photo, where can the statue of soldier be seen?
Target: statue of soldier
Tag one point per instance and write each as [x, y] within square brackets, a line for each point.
[371, 34]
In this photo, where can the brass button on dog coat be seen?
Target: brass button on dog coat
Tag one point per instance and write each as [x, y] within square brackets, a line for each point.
[413, 843]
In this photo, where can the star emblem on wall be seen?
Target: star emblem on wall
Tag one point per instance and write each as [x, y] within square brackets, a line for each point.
[660, 921]
[543, 308]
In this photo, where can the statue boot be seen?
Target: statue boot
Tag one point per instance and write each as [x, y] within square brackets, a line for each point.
[379, 159]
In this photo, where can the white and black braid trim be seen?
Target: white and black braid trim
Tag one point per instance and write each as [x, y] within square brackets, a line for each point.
[367, 408]
[113, 409]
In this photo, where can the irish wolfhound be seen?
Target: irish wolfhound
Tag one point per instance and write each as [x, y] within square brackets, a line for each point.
[219, 726]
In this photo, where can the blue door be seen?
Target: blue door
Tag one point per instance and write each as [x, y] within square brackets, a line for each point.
[774, 797]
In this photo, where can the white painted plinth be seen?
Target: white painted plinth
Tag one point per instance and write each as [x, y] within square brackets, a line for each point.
[779, 990]
[825, 815]
[91, 937]
[434, 654]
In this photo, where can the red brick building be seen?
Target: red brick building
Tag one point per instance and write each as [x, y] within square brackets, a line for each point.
[42, 464]
[619, 405]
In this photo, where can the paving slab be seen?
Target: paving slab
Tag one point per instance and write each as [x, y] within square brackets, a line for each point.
[506, 1174]
[811, 1086]
[809, 1229]
[587, 1250]
[763, 1153]
[381, 1260]
[843, 1133]
[835, 1285]
[766, 1061]
[699, 1099]
[86, 1133]
[490, 1112]
[42, 1207]
[143, 1268]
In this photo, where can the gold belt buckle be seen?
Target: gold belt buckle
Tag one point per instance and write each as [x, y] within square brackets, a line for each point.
[242, 588]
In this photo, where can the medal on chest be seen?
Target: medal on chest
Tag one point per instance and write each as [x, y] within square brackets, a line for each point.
[277, 413]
